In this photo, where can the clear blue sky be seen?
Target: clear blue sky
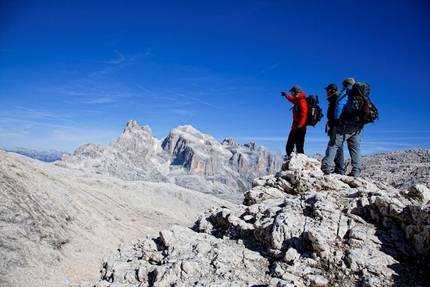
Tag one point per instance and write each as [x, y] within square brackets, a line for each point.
[73, 72]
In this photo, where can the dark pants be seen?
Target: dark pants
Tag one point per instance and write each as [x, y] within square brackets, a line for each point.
[295, 138]
[339, 158]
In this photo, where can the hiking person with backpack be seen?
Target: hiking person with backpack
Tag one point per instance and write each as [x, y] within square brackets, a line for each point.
[298, 128]
[330, 128]
[347, 130]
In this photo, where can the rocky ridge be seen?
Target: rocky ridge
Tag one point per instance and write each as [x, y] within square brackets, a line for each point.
[186, 157]
[297, 227]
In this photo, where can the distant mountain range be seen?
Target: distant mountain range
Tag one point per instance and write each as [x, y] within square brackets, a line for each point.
[46, 156]
[185, 157]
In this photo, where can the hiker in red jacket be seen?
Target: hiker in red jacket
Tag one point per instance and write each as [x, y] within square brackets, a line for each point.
[298, 128]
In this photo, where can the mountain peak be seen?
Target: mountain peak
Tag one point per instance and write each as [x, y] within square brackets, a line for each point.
[189, 129]
[183, 156]
[230, 142]
[132, 126]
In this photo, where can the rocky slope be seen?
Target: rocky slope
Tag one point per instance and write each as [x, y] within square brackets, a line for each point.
[298, 227]
[401, 169]
[185, 157]
[57, 224]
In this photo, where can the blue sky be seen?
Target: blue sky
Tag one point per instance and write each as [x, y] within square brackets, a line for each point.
[73, 72]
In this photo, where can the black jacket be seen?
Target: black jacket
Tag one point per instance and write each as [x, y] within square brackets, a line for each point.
[330, 110]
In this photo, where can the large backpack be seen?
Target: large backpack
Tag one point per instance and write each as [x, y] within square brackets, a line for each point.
[363, 110]
[314, 111]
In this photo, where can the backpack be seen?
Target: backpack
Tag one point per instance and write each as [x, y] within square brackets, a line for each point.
[314, 111]
[363, 110]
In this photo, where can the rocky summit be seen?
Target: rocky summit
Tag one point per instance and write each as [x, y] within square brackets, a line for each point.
[187, 210]
[298, 227]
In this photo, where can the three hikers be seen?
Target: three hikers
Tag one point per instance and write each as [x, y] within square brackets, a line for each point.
[347, 113]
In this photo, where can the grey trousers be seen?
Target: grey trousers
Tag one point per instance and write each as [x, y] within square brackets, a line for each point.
[353, 140]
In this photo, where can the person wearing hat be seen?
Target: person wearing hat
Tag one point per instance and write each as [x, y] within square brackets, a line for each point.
[296, 138]
[330, 128]
[346, 131]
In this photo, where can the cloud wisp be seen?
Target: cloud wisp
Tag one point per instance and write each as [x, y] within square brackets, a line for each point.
[46, 130]
[195, 99]
[269, 69]
[41, 115]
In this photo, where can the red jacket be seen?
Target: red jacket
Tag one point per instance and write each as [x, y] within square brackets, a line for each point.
[300, 111]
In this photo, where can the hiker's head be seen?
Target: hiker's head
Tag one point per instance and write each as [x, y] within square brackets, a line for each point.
[295, 91]
[348, 82]
[330, 89]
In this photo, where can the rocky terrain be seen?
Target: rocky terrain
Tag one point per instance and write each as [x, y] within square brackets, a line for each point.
[57, 224]
[186, 210]
[399, 169]
[295, 228]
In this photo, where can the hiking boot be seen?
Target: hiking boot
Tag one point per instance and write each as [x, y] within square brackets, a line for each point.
[327, 172]
[339, 171]
[353, 174]
[287, 157]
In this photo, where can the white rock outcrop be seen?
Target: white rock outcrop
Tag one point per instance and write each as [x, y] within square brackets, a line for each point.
[295, 228]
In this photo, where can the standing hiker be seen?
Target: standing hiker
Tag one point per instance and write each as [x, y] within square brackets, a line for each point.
[332, 124]
[347, 130]
[298, 128]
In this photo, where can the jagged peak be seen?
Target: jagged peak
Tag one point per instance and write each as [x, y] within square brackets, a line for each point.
[132, 125]
[230, 142]
[252, 146]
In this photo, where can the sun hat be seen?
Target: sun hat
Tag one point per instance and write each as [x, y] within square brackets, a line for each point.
[296, 89]
[332, 87]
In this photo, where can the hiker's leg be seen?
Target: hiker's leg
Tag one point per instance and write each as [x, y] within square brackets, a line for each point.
[333, 145]
[300, 141]
[339, 161]
[290, 142]
[353, 143]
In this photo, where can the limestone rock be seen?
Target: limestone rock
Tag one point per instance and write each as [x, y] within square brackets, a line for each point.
[351, 232]
[57, 224]
[400, 169]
